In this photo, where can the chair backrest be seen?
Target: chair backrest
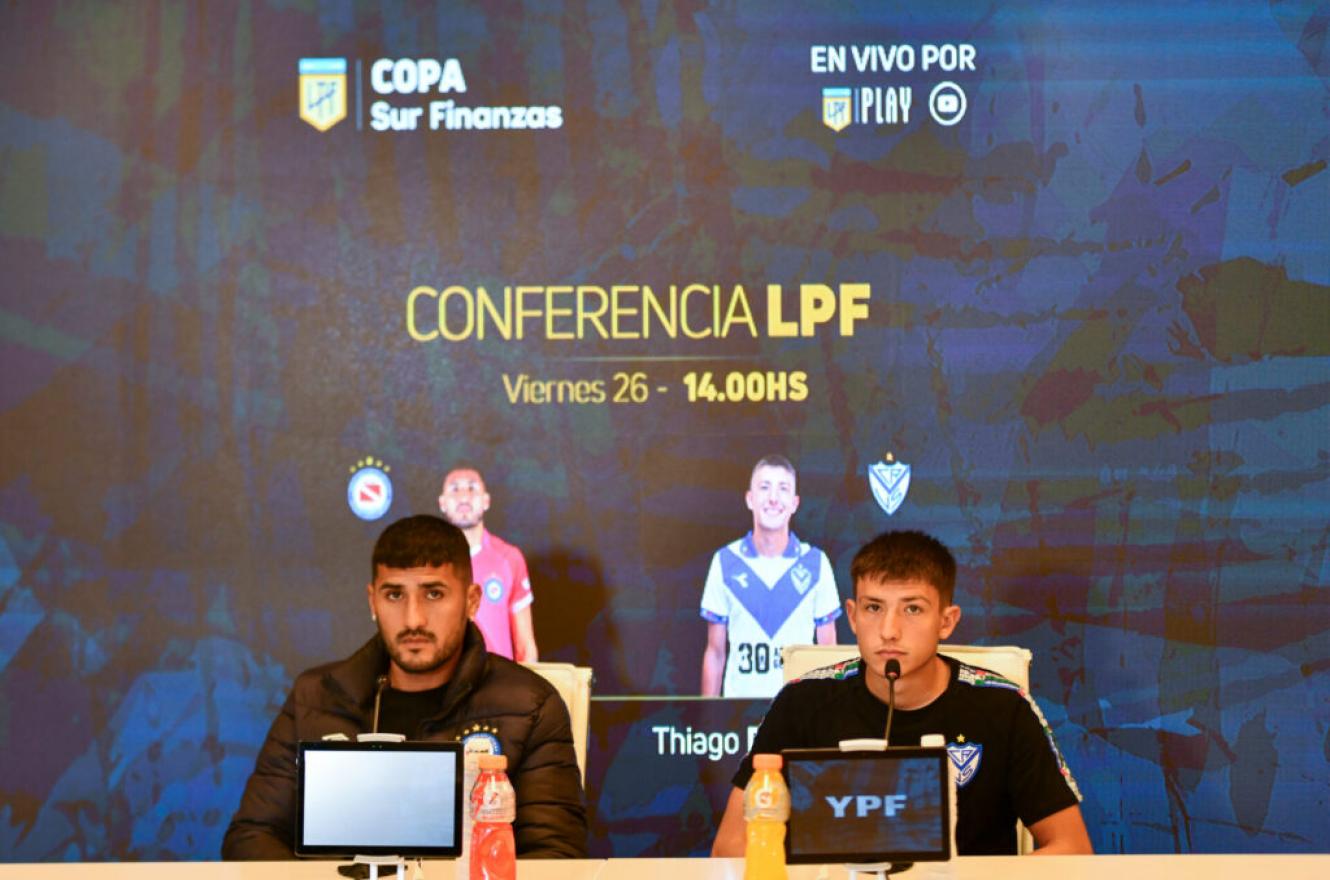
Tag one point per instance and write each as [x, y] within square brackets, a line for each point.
[573, 684]
[1009, 661]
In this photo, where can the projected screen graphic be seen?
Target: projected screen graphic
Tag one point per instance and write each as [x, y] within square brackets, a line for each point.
[867, 808]
[1050, 282]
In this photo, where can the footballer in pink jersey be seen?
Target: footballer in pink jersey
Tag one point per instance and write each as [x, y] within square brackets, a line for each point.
[504, 615]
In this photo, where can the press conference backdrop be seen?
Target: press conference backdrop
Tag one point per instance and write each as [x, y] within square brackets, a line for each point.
[272, 267]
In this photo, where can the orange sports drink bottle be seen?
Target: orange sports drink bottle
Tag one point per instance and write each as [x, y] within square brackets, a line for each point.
[493, 808]
[766, 810]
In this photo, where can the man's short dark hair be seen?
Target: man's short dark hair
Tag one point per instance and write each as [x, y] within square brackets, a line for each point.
[416, 541]
[906, 556]
[774, 460]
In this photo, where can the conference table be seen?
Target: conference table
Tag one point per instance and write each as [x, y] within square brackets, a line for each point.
[1104, 867]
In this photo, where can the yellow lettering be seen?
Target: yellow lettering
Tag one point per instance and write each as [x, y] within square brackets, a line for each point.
[817, 305]
[552, 312]
[777, 328]
[687, 328]
[523, 291]
[651, 304]
[503, 322]
[584, 315]
[617, 309]
[468, 304]
[853, 306]
[739, 303]
[411, 314]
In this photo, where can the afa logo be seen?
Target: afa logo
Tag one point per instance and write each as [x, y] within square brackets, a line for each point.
[369, 492]
[837, 108]
[493, 589]
[890, 481]
[965, 757]
[479, 739]
[323, 91]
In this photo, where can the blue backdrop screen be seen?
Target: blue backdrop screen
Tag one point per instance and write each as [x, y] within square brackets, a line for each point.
[270, 269]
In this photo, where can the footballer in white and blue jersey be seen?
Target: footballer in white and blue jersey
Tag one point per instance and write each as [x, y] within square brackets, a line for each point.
[767, 602]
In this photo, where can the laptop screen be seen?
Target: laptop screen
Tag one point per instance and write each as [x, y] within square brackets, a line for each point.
[868, 807]
[401, 798]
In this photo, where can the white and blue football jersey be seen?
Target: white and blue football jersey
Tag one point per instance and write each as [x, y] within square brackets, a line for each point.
[766, 602]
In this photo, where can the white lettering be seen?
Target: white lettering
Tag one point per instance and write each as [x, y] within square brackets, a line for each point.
[866, 804]
[838, 805]
[452, 81]
[378, 76]
[885, 106]
[406, 75]
[883, 59]
[384, 117]
[713, 745]
[949, 56]
[827, 59]
[430, 73]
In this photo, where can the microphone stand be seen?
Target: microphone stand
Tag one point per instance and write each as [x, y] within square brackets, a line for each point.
[891, 673]
[379, 685]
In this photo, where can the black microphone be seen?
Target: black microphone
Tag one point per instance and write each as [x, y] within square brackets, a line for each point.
[892, 672]
[382, 683]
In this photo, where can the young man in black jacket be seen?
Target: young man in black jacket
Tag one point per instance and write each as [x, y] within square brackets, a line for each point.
[441, 685]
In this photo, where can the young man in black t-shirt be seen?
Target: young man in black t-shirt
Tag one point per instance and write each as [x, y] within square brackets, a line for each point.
[1008, 766]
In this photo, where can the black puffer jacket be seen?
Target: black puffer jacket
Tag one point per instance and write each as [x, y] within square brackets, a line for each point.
[487, 692]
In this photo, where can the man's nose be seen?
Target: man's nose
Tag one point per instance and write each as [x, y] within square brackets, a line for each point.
[415, 612]
[891, 625]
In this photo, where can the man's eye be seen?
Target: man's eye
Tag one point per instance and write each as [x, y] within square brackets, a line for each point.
[434, 594]
[392, 595]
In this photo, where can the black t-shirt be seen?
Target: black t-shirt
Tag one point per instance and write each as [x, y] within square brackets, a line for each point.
[403, 711]
[1008, 766]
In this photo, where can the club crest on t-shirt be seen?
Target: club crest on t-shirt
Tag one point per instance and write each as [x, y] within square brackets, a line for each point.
[479, 739]
[802, 578]
[493, 589]
[965, 756]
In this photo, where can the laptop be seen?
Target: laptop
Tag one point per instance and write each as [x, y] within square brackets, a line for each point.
[868, 807]
[379, 799]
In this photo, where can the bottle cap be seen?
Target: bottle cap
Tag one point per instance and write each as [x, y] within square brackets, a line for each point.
[493, 762]
[766, 762]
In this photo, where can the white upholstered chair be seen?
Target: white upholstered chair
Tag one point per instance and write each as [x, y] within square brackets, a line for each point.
[573, 684]
[1009, 661]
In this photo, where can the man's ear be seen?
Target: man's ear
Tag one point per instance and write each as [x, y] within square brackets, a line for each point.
[748, 499]
[472, 600]
[951, 615]
[849, 615]
[369, 597]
